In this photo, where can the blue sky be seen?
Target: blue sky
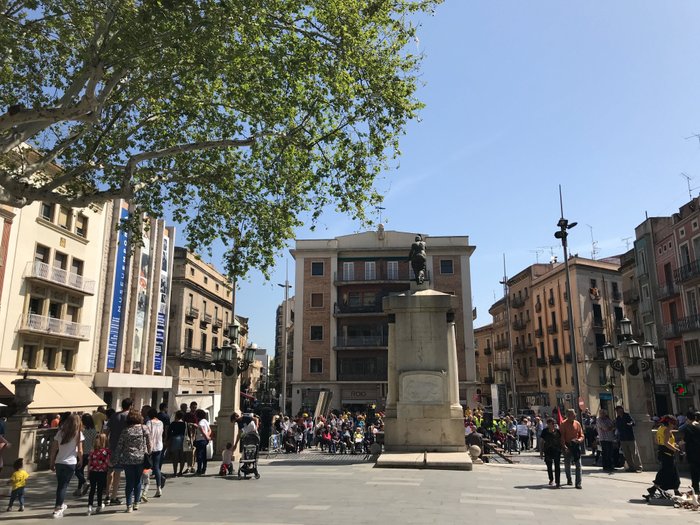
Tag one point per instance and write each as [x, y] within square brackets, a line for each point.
[597, 96]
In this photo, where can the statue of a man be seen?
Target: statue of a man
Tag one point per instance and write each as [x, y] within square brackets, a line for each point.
[418, 259]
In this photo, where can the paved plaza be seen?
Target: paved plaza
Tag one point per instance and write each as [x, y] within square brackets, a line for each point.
[315, 489]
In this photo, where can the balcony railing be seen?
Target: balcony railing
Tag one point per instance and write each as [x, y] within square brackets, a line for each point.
[488, 351]
[550, 301]
[555, 359]
[196, 354]
[517, 302]
[206, 318]
[56, 327]
[380, 274]
[597, 322]
[667, 290]
[501, 366]
[362, 341]
[375, 307]
[520, 324]
[192, 312]
[616, 295]
[541, 361]
[74, 281]
[538, 307]
[489, 380]
[690, 323]
[539, 332]
[518, 347]
[552, 329]
[218, 322]
[500, 345]
[671, 331]
[567, 358]
[687, 272]
[630, 297]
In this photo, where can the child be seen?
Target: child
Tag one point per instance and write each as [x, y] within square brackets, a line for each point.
[98, 463]
[227, 460]
[145, 483]
[18, 480]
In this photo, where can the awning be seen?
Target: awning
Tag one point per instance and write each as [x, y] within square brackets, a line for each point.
[57, 394]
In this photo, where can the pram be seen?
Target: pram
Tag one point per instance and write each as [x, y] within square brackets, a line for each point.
[250, 444]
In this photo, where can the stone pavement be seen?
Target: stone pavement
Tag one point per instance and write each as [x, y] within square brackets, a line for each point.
[315, 488]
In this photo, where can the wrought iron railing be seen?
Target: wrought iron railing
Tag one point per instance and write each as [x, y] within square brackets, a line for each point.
[40, 270]
[52, 326]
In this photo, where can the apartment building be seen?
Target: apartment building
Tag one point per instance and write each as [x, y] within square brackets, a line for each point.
[483, 351]
[284, 322]
[131, 360]
[51, 264]
[200, 317]
[340, 336]
[500, 360]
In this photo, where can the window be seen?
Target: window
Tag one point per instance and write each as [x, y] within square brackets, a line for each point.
[189, 337]
[47, 210]
[60, 260]
[348, 271]
[555, 347]
[72, 313]
[594, 283]
[206, 280]
[215, 342]
[35, 306]
[204, 342]
[81, 223]
[191, 272]
[316, 300]
[317, 268]
[692, 352]
[64, 218]
[446, 266]
[49, 360]
[76, 266]
[204, 307]
[370, 270]
[42, 253]
[55, 310]
[316, 365]
[316, 333]
[28, 357]
[392, 270]
[66, 360]
[619, 315]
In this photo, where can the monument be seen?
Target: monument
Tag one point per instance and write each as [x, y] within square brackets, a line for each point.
[424, 422]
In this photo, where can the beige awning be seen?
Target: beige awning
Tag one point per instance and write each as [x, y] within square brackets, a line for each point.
[57, 394]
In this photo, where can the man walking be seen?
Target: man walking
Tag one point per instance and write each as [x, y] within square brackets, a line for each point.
[571, 442]
[691, 437]
[625, 433]
[116, 424]
[606, 436]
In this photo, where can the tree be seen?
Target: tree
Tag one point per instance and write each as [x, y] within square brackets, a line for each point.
[237, 116]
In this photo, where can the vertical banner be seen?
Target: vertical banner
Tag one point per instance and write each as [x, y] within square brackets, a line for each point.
[120, 274]
[162, 306]
[141, 304]
[495, 402]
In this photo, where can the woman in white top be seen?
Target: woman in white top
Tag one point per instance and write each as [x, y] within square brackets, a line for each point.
[201, 439]
[155, 429]
[66, 454]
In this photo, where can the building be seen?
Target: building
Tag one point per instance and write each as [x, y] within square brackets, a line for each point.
[131, 360]
[200, 317]
[483, 352]
[284, 349]
[51, 266]
[340, 335]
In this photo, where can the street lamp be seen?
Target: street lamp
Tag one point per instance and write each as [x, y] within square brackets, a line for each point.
[285, 313]
[227, 356]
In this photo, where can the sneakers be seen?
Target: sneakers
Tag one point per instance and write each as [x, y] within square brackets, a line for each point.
[21, 509]
[9, 508]
[59, 513]
[86, 487]
[128, 508]
[144, 498]
[78, 492]
[115, 501]
[569, 482]
[159, 492]
[90, 510]
[136, 507]
[100, 508]
[107, 502]
[579, 487]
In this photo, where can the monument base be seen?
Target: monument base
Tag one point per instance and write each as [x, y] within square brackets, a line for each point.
[425, 460]
[420, 434]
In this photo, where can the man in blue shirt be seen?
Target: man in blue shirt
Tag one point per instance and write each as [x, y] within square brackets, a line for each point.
[625, 433]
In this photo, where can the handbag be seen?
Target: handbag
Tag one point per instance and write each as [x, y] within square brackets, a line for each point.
[147, 459]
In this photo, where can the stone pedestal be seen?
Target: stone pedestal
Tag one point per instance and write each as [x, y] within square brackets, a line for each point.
[423, 413]
[28, 442]
[634, 391]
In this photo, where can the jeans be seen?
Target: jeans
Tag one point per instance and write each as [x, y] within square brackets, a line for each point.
[157, 459]
[17, 494]
[568, 459]
[80, 471]
[98, 482]
[64, 473]
[132, 473]
[553, 459]
[695, 474]
[608, 455]
[200, 447]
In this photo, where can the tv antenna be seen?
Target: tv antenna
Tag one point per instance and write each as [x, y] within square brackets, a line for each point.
[380, 209]
[626, 240]
[688, 178]
[552, 255]
[537, 253]
[594, 244]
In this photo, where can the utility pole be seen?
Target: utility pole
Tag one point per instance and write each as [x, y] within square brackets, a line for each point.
[506, 297]
[285, 314]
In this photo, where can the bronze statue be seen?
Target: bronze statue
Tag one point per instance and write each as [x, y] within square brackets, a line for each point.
[418, 259]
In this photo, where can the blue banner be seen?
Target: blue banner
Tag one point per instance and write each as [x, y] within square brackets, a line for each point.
[120, 273]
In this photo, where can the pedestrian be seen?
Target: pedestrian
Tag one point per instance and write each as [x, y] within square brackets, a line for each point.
[571, 443]
[155, 429]
[18, 480]
[115, 424]
[201, 440]
[165, 419]
[65, 455]
[523, 433]
[98, 466]
[691, 439]
[89, 432]
[625, 433]
[667, 477]
[178, 443]
[551, 448]
[191, 420]
[99, 417]
[133, 445]
[606, 437]
[4, 444]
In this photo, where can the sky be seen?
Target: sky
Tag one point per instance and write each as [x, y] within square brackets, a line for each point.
[599, 97]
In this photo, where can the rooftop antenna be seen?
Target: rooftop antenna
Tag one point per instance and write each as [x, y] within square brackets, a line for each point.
[688, 178]
[594, 244]
[626, 240]
[552, 255]
[380, 209]
[537, 253]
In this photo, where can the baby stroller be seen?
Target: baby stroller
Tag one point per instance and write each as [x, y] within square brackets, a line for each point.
[250, 444]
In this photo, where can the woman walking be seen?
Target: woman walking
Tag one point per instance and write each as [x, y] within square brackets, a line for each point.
[667, 478]
[176, 443]
[551, 448]
[155, 429]
[66, 454]
[89, 432]
[134, 443]
[201, 439]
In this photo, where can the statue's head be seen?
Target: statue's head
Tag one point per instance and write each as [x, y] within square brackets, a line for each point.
[418, 238]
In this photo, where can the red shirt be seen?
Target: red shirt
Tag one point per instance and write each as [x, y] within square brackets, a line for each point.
[98, 460]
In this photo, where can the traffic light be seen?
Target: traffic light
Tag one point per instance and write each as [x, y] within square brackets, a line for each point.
[681, 389]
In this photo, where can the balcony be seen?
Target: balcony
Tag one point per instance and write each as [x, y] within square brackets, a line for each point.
[616, 296]
[539, 332]
[38, 324]
[689, 324]
[668, 290]
[192, 313]
[672, 331]
[517, 302]
[687, 273]
[630, 297]
[518, 347]
[218, 322]
[196, 354]
[501, 366]
[520, 324]
[206, 319]
[500, 345]
[550, 301]
[340, 310]
[544, 382]
[565, 324]
[557, 381]
[598, 323]
[64, 278]
[541, 361]
[361, 341]
[538, 307]
[552, 329]
[380, 275]
[488, 351]
[489, 380]
[567, 358]
[555, 359]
